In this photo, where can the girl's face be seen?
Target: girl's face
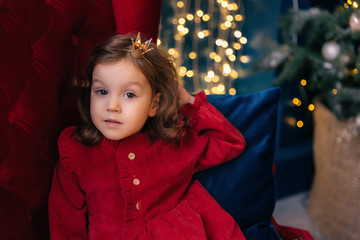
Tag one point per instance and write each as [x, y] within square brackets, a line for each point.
[121, 99]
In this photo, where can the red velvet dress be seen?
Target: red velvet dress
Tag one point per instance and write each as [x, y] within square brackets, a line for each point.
[136, 189]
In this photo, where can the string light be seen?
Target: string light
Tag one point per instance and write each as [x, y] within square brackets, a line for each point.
[200, 13]
[311, 107]
[190, 73]
[296, 102]
[206, 18]
[209, 35]
[192, 55]
[180, 4]
[232, 91]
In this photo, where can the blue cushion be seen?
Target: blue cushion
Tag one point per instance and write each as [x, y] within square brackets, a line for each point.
[245, 186]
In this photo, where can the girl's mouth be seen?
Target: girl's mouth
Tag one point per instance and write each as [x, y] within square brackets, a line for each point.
[112, 121]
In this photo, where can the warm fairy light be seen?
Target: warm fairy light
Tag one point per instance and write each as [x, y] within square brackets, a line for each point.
[237, 46]
[206, 91]
[355, 5]
[229, 51]
[190, 73]
[190, 17]
[230, 7]
[300, 124]
[234, 7]
[237, 34]
[206, 17]
[212, 55]
[211, 74]
[229, 18]
[221, 24]
[185, 31]
[171, 51]
[349, 2]
[158, 42]
[182, 71]
[192, 55]
[221, 87]
[296, 102]
[226, 69]
[224, 44]
[303, 82]
[346, 6]
[218, 42]
[243, 40]
[311, 107]
[182, 21]
[224, 4]
[232, 58]
[180, 28]
[244, 59]
[290, 121]
[214, 90]
[354, 71]
[239, 17]
[234, 74]
[334, 91]
[180, 4]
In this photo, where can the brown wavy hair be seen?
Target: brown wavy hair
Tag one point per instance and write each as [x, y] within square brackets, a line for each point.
[160, 73]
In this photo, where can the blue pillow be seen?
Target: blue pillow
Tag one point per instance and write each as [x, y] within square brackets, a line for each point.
[245, 186]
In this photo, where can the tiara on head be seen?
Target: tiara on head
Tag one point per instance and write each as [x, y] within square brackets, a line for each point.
[139, 49]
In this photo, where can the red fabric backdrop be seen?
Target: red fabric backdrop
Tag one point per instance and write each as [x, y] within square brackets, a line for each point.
[44, 44]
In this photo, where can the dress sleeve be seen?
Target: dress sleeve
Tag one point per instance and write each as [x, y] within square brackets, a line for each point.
[210, 136]
[67, 206]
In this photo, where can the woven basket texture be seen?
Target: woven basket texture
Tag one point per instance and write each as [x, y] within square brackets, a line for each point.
[334, 201]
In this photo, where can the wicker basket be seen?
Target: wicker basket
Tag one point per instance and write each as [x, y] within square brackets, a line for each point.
[334, 202]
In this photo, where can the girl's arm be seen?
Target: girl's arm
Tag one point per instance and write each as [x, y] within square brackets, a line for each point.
[211, 138]
[67, 206]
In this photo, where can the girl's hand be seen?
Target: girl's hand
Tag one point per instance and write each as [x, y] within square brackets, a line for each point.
[183, 96]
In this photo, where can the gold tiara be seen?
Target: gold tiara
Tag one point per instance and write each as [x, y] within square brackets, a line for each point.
[139, 49]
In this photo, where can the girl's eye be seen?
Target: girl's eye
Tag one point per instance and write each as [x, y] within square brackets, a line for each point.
[101, 92]
[129, 95]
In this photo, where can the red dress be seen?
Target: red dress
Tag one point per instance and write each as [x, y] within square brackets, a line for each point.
[136, 189]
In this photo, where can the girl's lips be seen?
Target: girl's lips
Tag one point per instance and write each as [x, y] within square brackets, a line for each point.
[112, 122]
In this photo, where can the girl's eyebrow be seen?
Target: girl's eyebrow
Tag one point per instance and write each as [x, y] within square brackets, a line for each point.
[96, 80]
[136, 83]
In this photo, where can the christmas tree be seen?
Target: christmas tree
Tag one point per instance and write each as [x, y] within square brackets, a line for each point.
[321, 53]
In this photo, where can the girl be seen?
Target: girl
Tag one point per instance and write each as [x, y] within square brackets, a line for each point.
[127, 172]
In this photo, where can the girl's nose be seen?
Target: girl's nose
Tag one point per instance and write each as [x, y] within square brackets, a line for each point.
[113, 105]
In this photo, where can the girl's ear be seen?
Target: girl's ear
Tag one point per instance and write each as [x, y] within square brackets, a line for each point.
[154, 105]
